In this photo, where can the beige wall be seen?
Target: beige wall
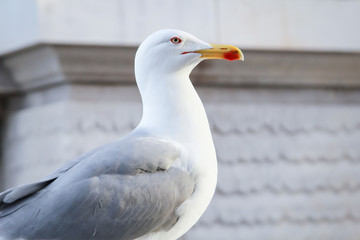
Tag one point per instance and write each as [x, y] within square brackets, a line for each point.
[256, 24]
[285, 127]
[286, 124]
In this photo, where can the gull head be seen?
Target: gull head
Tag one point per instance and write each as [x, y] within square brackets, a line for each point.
[171, 51]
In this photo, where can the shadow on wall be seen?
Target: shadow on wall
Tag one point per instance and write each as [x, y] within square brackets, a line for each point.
[2, 105]
[7, 86]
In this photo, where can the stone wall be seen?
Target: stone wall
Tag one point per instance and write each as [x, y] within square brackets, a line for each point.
[288, 165]
[286, 126]
[256, 24]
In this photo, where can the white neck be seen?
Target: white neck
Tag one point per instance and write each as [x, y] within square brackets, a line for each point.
[172, 108]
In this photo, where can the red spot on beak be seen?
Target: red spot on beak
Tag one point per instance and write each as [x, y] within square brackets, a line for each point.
[232, 55]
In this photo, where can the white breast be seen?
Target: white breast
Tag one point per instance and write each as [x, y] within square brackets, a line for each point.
[201, 162]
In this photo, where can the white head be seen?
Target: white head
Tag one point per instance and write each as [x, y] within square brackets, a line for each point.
[163, 50]
[171, 51]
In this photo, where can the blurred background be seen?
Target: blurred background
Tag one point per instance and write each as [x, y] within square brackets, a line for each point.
[286, 122]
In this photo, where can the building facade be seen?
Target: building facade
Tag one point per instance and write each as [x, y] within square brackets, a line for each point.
[286, 122]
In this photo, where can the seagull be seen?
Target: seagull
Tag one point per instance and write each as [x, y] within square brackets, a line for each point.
[154, 183]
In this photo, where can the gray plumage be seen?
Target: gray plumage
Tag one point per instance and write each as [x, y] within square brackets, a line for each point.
[128, 184]
[142, 187]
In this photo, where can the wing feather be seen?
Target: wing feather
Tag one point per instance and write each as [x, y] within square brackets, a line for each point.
[102, 196]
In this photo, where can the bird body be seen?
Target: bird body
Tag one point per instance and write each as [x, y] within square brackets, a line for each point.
[155, 183]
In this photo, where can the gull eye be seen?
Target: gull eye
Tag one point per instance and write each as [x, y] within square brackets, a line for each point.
[175, 40]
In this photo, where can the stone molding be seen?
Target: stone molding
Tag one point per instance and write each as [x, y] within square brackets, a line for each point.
[46, 65]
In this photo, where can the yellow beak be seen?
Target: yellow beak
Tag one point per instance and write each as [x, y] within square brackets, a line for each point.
[218, 51]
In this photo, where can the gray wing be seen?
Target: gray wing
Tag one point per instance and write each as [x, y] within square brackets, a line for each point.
[122, 191]
[137, 156]
[13, 194]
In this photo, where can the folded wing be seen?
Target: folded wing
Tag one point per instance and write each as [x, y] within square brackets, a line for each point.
[121, 191]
